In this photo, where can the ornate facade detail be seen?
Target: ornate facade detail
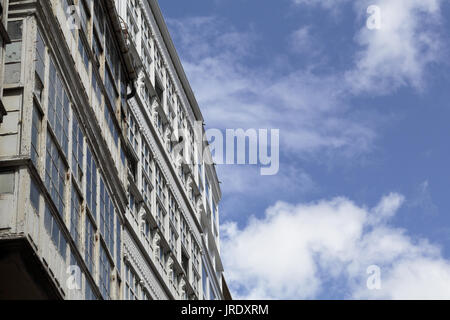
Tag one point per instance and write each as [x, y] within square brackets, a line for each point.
[169, 266]
[182, 287]
[142, 268]
[142, 217]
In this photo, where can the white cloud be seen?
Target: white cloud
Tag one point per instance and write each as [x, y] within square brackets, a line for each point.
[387, 207]
[423, 200]
[398, 54]
[302, 41]
[301, 251]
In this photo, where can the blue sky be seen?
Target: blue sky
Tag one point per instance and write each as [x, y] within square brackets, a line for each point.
[364, 126]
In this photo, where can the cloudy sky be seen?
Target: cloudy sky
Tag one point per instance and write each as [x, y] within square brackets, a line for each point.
[364, 124]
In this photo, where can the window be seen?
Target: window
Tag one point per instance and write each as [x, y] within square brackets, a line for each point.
[34, 196]
[84, 15]
[77, 149]
[173, 207]
[132, 204]
[40, 56]
[146, 158]
[75, 218]
[91, 183]
[84, 53]
[145, 295]
[212, 295]
[13, 55]
[184, 228]
[97, 49]
[191, 195]
[89, 246]
[111, 125]
[174, 278]
[200, 171]
[207, 191]
[110, 89]
[132, 133]
[58, 109]
[96, 88]
[173, 240]
[131, 283]
[118, 244]
[89, 293]
[159, 123]
[160, 185]
[69, 11]
[105, 274]
[122, 154]
[111, 54]
[195, 255]
[204, 282]
[55, 171]
[145, 95]
[162, 256]
[192, 137]
[99, 18]
[40, 65]
[123, 90]
[160, 216]
[35, 133]
[146, 193]
[146, 232]
[53, 230]
[195, 282]
[106, 217]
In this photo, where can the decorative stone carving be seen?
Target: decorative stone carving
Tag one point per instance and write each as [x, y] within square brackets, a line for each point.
[169, 265]
[182, 287]
[154, 107]
[140, 82]
[156, 242]
[134, 257]
[167, 137]
[142, 215]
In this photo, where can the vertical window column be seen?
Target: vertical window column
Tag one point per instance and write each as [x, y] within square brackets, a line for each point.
[106, 217]
[91, 184]
[75, 218]
[55, 172]
[105, 274]
[77, 149]
[35, 136]
[89, 246]
[13, 55]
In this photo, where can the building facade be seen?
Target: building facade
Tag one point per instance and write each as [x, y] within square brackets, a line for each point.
[104, 193]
